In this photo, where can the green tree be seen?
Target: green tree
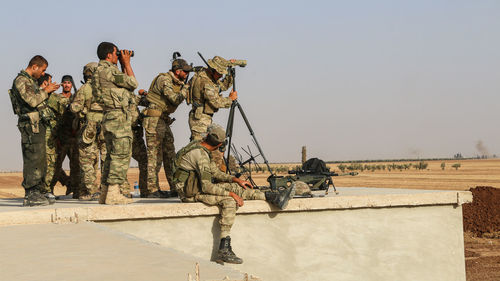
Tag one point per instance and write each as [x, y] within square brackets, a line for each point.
[443, 165]
[456, 166]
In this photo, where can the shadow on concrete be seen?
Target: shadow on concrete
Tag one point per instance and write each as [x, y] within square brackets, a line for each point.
[216, 238]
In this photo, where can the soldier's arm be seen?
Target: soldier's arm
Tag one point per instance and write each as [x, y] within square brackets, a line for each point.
[218, 175]
[79, 101]
[214, 99]
[167, 88]
[121, 79]
[225, 83]
[203, 167]
[28, 93]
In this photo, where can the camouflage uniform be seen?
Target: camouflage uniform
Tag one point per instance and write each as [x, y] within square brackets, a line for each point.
[165, 94]
[206, 100]
[57, 103]
[28, 102]
[112, 89]
[67, 137]
[194, 162]
[139, 151]
[91, 144]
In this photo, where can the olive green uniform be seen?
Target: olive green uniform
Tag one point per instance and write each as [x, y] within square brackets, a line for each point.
[197, 179]
[206, 100]
[57, 103]
[28, 102]
[165, 94]
[112, 90]
[91, 144]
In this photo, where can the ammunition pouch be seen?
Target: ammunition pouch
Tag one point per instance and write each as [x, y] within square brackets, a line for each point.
[152, 112]
[34, 118]
[190, 182]
[89, 132]
[198, 113]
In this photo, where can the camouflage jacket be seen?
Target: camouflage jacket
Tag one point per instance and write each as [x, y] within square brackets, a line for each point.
[67, 129]
[166, 92]
[112, 88]
[205, 92]
[195, 157]
[58, 104]
[30, 96]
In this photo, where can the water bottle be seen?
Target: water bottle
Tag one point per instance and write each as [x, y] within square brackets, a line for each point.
[137, 192]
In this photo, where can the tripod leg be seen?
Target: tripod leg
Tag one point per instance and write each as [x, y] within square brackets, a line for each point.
[229, 135]
[253, 135]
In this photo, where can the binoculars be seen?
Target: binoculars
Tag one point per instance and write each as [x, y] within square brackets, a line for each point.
[119, 53]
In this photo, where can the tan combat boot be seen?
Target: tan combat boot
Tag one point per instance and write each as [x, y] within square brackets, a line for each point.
[114, 197]
[104, 192]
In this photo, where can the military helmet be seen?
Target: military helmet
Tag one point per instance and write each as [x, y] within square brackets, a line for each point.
[218, 64]
[302, 189]
[215, 135]
[181, 64]
[89, 68]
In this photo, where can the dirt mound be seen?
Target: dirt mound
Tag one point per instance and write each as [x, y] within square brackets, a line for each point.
[482, 216]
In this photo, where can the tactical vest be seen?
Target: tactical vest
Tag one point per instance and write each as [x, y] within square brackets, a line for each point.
[196, 92]
[191, 179]
[19, 106]
[159, 100]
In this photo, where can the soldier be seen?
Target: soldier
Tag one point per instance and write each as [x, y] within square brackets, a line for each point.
[57, 104]
[139, 150]
[91, 144]
[67, 143]
[28, 102]
[112, 90]
[205, 97]
[194, 179]
[165, 94]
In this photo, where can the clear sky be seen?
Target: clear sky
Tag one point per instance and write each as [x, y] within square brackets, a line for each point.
[348, 79]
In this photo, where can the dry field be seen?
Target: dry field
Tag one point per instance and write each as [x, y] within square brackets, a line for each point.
[471, 173]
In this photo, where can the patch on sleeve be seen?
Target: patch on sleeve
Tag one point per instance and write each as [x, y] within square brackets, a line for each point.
[119, 78]
[206, 174]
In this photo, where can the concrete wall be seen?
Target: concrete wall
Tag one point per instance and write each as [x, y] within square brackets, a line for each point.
[393, 243]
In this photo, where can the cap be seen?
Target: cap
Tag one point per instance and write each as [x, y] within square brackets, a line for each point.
[215, 135]
[181, 64]
[219, 64]
[89, 68]
[67, 78]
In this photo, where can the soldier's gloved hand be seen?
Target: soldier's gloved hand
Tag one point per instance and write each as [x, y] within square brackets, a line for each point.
[242, 183]
[233, 95]
[236, 198]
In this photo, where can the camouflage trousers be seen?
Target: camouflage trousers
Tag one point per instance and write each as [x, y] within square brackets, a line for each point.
[117, 131]
[33, 148]
[89, 155]
[199, 126]
[67, 148]
[161, 150]
[51, 155]
[227, 204]
[139, 153]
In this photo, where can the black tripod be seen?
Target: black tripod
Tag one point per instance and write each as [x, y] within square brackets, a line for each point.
[229, 129]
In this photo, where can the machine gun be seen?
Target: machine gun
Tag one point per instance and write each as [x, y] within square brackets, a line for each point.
[314, 173]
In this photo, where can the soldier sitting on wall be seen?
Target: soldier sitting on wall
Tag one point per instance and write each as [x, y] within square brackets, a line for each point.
[197, 179]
